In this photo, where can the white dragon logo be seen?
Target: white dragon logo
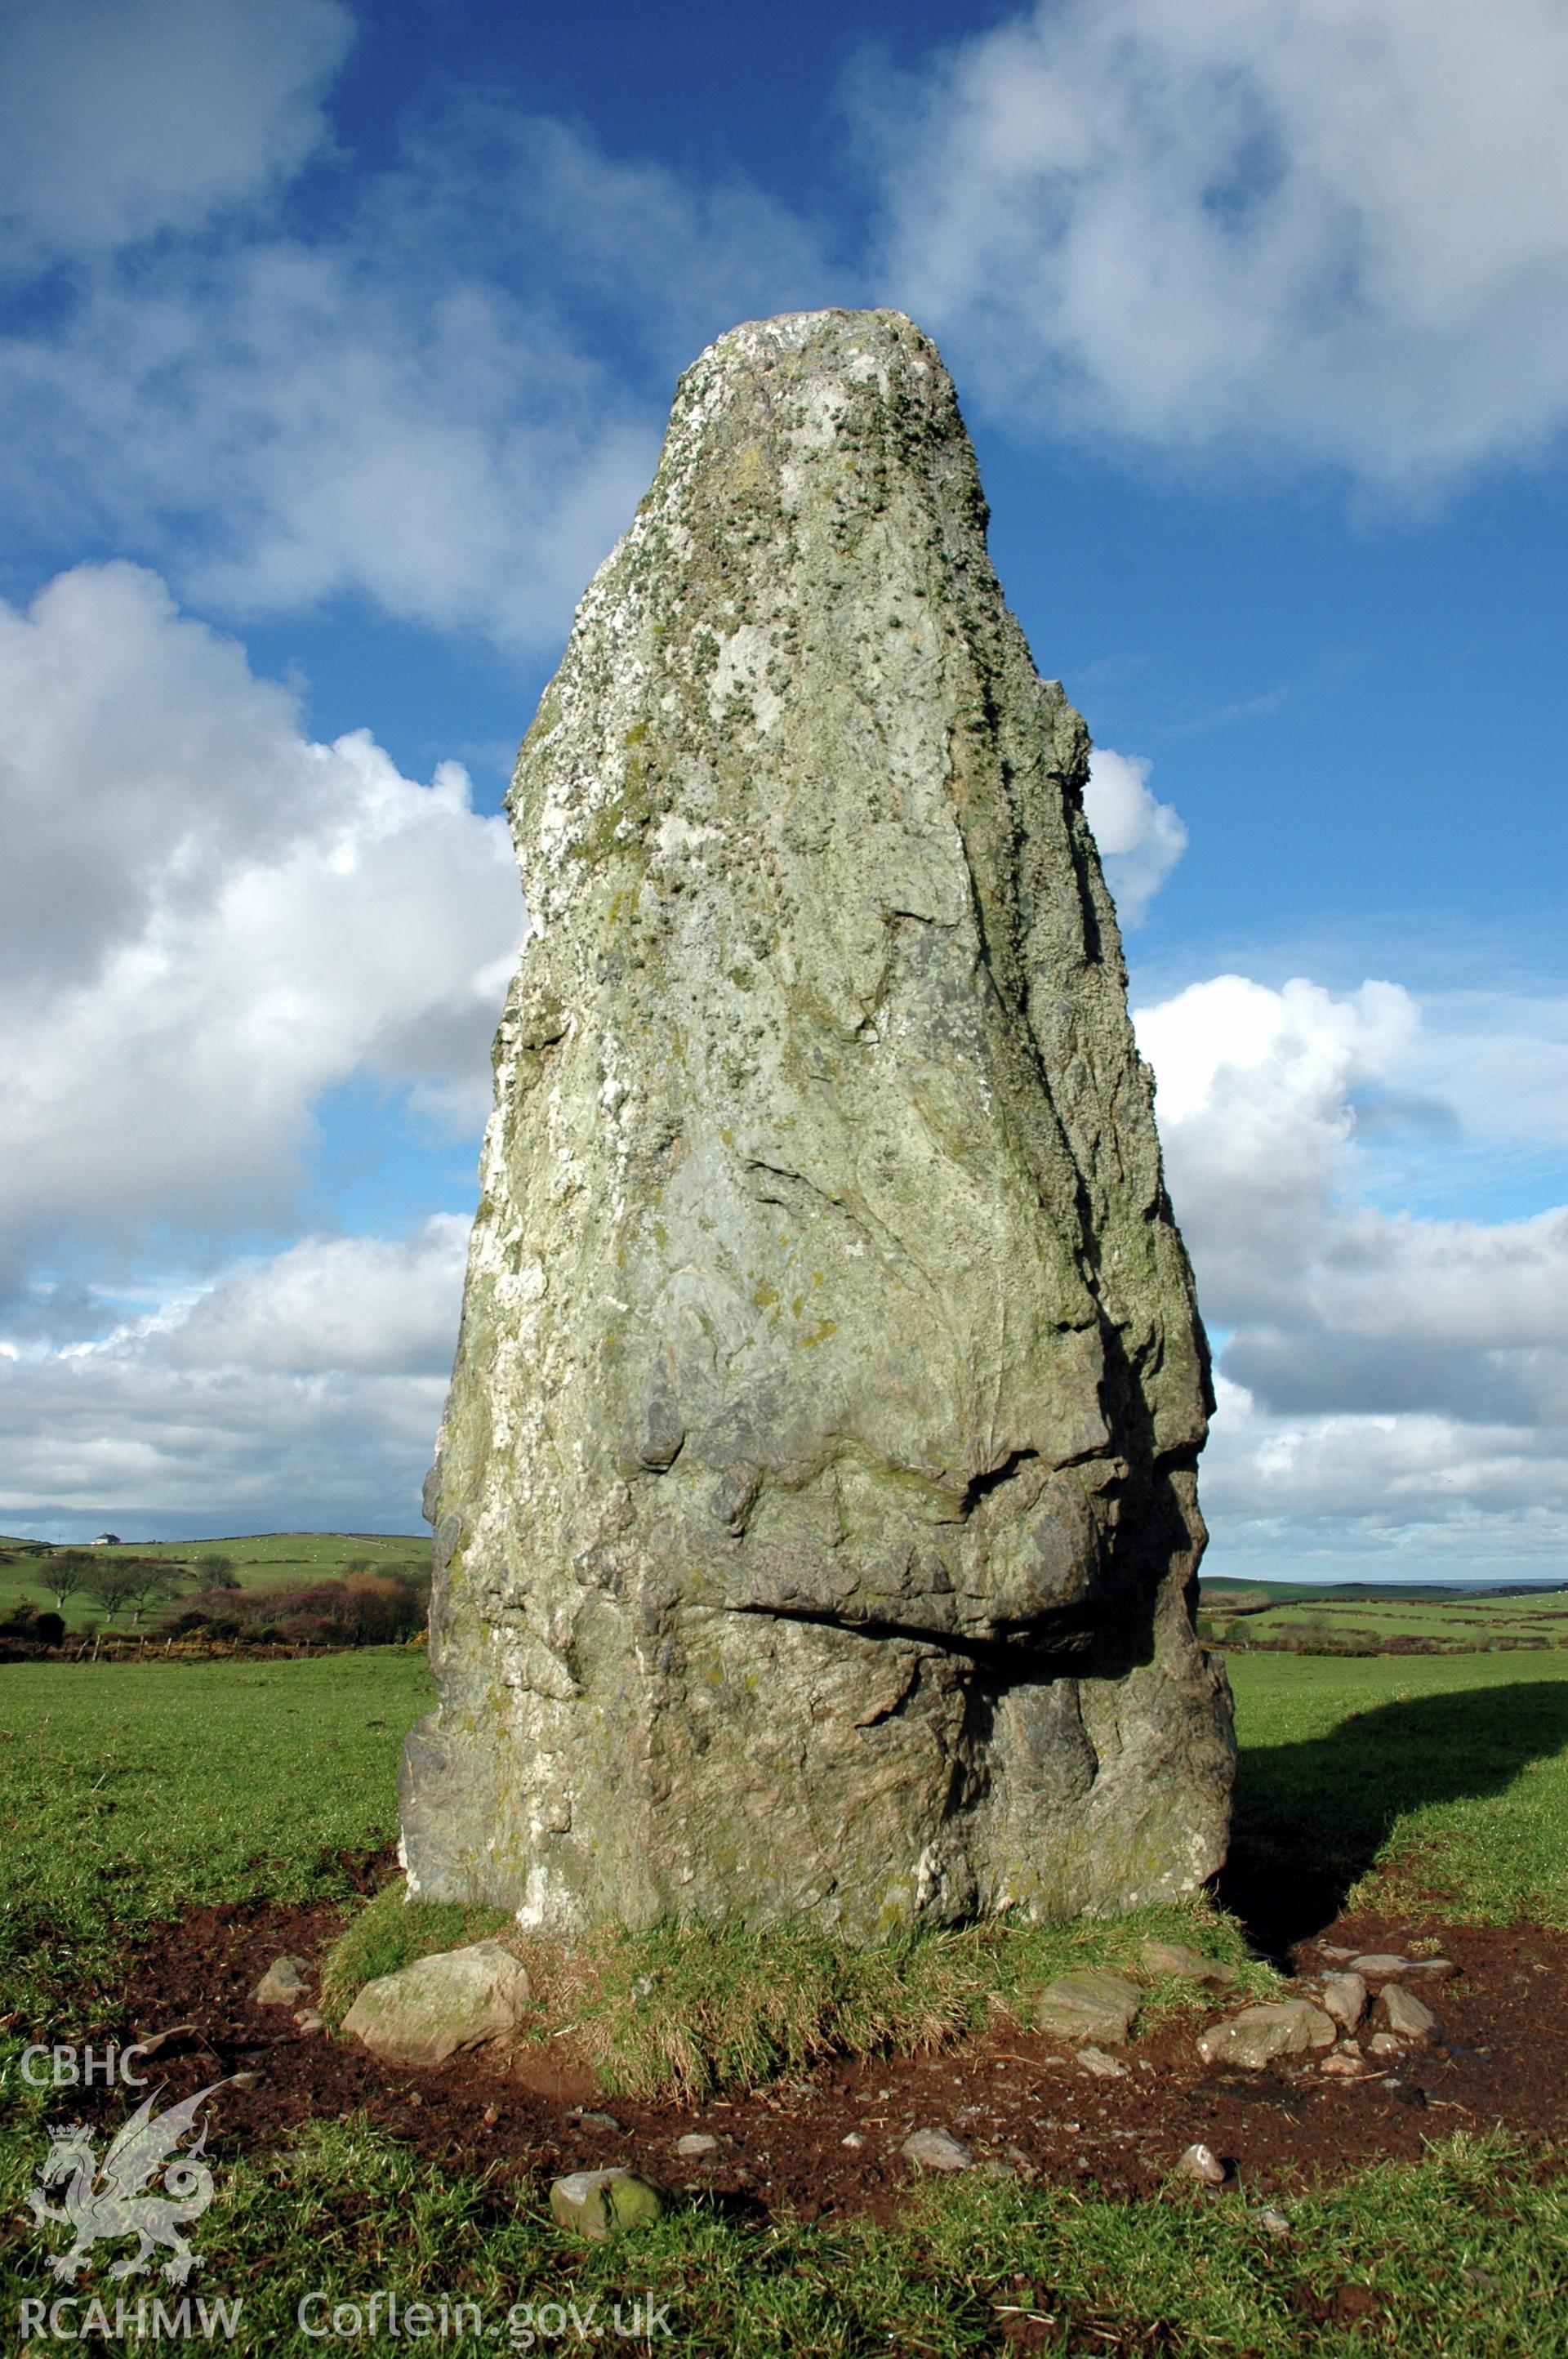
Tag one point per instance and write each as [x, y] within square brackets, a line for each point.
[104, 2202]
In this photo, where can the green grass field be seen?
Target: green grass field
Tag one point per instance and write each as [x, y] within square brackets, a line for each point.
[1444, 1775]
[128, 1793]
[1299, 1617]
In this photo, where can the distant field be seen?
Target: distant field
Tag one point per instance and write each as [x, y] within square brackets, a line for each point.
[265, 1561]
[1307, 1593]
[1306, 1621]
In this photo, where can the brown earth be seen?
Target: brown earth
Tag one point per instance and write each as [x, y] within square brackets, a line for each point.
[1018, 2100]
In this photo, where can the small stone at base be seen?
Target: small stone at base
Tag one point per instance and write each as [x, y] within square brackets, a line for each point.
[1094, 2001]
[1255, 2037]
[1202, 2163]
[1103, 2067]
[935, 2150]
[1344, 1998]
[1405, 2013]
[599, 2204]
[285, 1983]
[1180, 1958]
[430, 2010]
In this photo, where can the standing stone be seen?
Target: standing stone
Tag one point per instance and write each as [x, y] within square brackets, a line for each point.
[816, 1511]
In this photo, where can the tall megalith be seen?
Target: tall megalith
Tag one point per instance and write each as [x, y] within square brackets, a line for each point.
[814, 1510]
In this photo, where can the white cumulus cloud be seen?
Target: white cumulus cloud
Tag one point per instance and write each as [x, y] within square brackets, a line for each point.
[414, 404]
[121, 118]
[1339, 229]
[207, 920]
[1394, 1388]
[303, 1387]
[286, 426]
[126, 1438]
[385, 1306]
[1140, 839]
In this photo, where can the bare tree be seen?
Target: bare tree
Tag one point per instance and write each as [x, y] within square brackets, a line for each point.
[110, 1585]
[66, 1572]
[147, 1580]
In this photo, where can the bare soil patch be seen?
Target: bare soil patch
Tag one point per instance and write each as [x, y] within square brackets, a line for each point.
[1016, 2098]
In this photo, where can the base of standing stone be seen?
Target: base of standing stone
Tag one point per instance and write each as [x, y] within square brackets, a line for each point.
[949, 1793]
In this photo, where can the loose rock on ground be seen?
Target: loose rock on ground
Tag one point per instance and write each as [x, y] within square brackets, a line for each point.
[457, 1999]
[286, 1982]
[1344, 1998]
[1404, 2014]
[1179, 1958]
[1259, 2034]
[599, 2204]
[1093, 2006]
[1103, 2067]
[936, 2150]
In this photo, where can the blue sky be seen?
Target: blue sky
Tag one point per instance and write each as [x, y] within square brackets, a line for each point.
[336, 347]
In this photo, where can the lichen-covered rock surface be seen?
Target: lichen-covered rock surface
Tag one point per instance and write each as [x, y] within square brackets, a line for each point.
[815, 1507]
[456, 1999]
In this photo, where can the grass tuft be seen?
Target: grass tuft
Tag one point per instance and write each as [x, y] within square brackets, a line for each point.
[695, 2009]
[692, 2009]
[689, 2010]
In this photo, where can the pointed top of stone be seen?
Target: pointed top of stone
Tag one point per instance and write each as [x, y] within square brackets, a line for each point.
[857, 344]
[805, 374]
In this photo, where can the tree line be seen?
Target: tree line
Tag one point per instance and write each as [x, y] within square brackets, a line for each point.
[371, 1604]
